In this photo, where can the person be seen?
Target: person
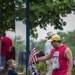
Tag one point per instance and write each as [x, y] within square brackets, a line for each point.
[61, 55]
[47, 49]
[39, 54]
[6, 44]
[11, 68]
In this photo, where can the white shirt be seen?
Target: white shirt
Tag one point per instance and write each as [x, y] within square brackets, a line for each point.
[47, 47]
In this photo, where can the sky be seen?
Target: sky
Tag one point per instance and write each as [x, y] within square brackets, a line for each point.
[70, 26]
[20, 28]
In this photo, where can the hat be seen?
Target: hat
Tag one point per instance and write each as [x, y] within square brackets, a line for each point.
[55, 37]
[50, 34]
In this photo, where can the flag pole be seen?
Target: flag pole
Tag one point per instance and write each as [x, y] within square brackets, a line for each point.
[27, 34]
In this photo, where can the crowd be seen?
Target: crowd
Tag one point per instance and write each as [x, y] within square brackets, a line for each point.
[58, 57]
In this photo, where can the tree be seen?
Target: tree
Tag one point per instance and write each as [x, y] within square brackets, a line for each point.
[40, 45]
[69, 40]
[42, 13]
[7, 15]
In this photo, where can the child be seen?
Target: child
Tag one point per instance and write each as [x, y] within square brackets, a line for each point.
[11, 68]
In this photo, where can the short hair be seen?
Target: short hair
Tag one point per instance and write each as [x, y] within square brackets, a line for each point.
[9, 62]
[4, 34]
[59, 41]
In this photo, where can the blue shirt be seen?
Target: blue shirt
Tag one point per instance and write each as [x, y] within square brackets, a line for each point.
[12, 72]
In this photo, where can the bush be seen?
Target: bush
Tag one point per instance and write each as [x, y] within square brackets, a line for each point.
[41, 67]
[73, 71]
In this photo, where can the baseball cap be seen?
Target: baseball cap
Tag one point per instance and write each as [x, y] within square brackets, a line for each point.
[55, 37]
[50, 34]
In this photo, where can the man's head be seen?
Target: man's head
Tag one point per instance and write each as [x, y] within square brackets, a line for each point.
[49, 34]
[11, 63]
[4, 34]
[55, 40]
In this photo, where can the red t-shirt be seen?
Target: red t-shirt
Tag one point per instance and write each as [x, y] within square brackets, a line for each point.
[6, 45]
[63, 62]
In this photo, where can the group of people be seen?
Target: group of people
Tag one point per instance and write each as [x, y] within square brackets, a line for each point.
[5, 48]
[58, 56]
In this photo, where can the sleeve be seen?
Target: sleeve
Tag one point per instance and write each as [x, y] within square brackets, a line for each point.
[15, 73]
[12, 72]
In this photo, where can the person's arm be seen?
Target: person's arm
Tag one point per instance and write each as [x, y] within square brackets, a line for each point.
[43, 58]
[68, 55]
[20, 74]
[23, 73]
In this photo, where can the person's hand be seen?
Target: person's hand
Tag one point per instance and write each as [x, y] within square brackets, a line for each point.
[68, 73]
[24, 72]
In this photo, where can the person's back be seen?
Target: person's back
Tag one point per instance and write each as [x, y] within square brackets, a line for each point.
[12, 72]
[6, 45]
[47, 47]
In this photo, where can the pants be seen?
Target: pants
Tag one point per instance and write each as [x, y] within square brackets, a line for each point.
[49, 67]
[2, 62]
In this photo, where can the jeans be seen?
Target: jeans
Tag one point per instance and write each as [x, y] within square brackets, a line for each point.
[2, 62]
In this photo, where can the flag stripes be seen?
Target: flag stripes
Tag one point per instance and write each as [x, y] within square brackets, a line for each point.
[33, 57]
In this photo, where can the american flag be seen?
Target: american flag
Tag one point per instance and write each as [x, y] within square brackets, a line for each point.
[32, 57]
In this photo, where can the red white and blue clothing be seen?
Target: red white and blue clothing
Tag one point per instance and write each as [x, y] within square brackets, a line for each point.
[58, 56]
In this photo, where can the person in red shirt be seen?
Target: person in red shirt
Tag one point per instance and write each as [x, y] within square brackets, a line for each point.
[61, 57]
[6, 44]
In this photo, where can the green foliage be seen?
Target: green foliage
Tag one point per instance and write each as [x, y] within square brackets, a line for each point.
[69, 40]
[42, 13]
[41, 67]
[40, 45]
[7, 15]
[20, 68]
[73, 71]
[50, 12]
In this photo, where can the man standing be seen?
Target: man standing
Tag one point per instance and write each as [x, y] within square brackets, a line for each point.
[6, 44]
[61, 57]
[47, 49]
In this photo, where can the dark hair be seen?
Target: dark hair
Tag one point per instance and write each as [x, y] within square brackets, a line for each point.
[50, 36]
[13, 49]
[4, 34]
[59, 41]
[9, 62]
